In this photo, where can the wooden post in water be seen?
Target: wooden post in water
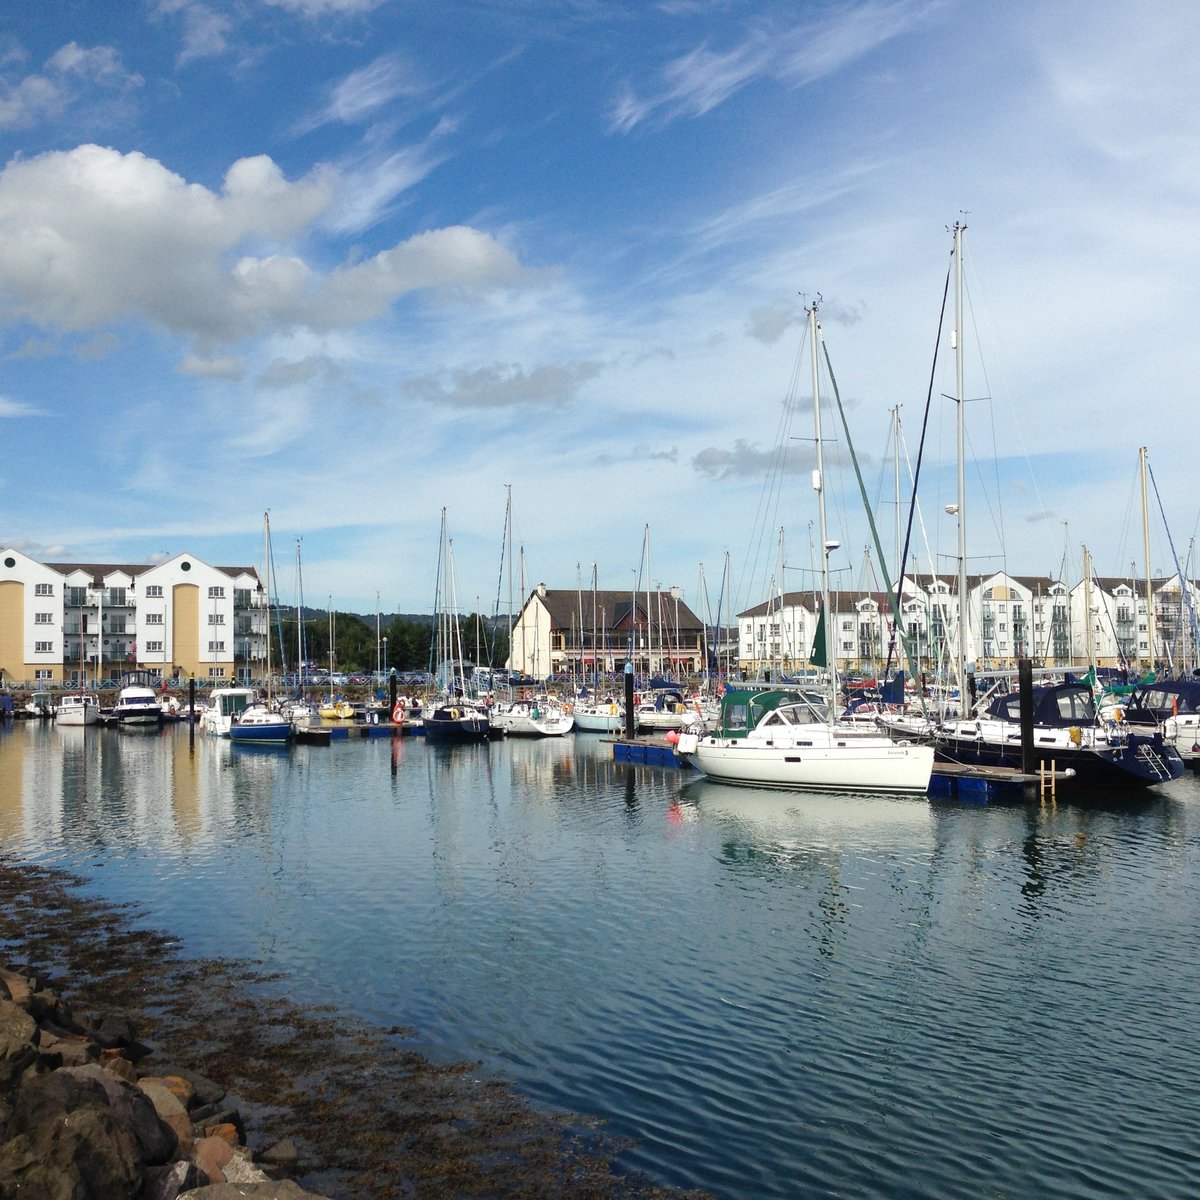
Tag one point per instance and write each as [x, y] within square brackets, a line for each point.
[630, 715]
[1025, 690]
[191, 709]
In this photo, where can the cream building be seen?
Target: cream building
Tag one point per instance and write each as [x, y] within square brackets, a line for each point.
[1009, 617]
[83, 623]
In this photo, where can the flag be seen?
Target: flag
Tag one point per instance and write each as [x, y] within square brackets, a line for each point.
[819, 656]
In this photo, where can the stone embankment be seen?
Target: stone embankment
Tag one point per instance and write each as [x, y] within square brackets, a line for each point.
[86, 1113]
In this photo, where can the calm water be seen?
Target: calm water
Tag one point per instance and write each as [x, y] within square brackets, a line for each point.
[775, 996]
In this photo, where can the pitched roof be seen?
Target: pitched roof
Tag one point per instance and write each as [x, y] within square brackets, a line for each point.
[610, 609]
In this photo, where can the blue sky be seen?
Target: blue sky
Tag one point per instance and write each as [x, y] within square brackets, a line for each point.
[354, 261]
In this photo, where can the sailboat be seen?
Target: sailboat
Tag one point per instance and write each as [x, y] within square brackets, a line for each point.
[786, 738]
[455, 717]
[333, 707]
[1067, 729]
[261, 723]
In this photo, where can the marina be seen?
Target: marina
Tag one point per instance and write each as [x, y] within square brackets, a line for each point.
[768, 994]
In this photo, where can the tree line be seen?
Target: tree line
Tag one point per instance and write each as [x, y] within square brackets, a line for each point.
[408, 644]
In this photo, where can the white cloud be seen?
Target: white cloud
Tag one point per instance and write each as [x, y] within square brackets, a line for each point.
[72, 75]
[313, 9]
[92, 236]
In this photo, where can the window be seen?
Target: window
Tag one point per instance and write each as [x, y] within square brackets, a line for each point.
[43, 589]
[216, 672]
[216, 593]
[43, 673]
[43, 647]
[216, 647]
[216, 618]
[76, 597]
[116, 597]
[154, 647]
[154, 618]
[43, 618]
[154, 591]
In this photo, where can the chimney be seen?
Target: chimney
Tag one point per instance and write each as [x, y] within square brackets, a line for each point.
[541, 590]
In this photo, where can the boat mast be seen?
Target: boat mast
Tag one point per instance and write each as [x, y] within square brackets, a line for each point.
[964, 700]
[814, 333]
[267, 592]
[1146, 545]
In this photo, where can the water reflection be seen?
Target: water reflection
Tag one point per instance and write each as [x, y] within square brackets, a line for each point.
[772, 994]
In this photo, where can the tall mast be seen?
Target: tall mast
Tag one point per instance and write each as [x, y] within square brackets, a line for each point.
[1146, 544]
[814, 334]
[267, 593]
[964, 700]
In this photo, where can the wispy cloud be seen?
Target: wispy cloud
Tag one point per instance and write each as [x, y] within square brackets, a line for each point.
[697, 82]
[16, 408]
[505, 385]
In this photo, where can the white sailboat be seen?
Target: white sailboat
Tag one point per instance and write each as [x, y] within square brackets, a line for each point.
[784, 738]
[261, 723]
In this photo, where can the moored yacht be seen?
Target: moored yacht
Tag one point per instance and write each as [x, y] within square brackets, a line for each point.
[137, 707]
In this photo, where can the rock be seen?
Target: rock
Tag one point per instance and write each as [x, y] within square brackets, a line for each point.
[157, 1141]
[211, 1155]
[270, 1190]
[170, 1112]
[175, 1084]
[65, 1142]
[17, 987]
[17, 1050]
[167, 1183]
[205, 1091]
[115, 1030]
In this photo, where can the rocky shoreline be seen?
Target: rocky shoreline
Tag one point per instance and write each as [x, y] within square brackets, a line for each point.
[206, 1075]
[81, 1114]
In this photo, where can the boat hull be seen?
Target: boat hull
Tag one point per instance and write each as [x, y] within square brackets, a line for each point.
[276, 733]
[853, 768]
[1138, 763]
[457, 725]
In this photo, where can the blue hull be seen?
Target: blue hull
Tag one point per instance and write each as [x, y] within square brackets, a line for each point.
[278, 734]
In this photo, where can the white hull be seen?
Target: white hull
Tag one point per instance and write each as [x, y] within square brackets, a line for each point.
[78, 710]
[531, 720]
[854, 764]
[605, 718]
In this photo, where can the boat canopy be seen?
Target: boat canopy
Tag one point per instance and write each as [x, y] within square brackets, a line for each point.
[744, 709]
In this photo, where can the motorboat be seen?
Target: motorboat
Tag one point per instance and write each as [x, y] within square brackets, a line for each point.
[137, 707]
[80, 708]
[223, 705]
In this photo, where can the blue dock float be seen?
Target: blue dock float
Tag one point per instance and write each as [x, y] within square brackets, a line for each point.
[649, 752]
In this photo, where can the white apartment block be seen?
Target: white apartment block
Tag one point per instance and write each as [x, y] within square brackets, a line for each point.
[1106, 623]
[78, 624]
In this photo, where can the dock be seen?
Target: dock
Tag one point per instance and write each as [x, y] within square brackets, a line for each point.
[648, 751]
[974, 783]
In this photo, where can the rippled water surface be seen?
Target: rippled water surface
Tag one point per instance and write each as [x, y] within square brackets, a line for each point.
[772, 995]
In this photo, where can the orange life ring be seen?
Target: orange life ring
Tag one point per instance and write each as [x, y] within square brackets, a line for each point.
[398, 712]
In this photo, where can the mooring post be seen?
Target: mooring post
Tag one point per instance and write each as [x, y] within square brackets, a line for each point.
[191, 710]
[630, 715]
[1025, 690]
